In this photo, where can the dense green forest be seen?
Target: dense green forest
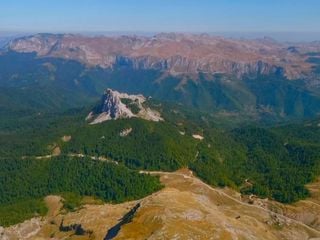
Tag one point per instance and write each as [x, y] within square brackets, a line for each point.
[26, 181]
[31, 133]
[18, 211]
[277, 162]
[150, 145]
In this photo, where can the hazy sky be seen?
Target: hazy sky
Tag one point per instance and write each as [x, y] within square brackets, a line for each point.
[160, 15]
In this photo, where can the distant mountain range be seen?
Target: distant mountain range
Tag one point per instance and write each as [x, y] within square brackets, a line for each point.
[263, 79]
[176, 53]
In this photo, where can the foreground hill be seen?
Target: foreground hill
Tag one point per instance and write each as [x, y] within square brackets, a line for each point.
[185, 208]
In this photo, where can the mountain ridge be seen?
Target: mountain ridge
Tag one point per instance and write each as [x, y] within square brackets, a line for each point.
[175, 53]
[260, 79]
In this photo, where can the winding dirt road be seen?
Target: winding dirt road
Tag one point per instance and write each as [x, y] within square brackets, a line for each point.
[220, 192]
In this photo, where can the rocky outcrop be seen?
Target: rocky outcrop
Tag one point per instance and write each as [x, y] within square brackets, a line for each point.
[115, 105]
[26, 230]
[174, 53]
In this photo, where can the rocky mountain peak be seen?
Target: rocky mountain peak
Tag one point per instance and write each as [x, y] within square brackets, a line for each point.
[116, 105]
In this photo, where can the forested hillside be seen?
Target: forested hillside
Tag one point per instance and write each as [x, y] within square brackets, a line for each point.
[149, 145]
[24, 183]
[274, 162]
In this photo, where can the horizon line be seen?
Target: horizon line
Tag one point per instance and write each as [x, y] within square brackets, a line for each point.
[280, 36]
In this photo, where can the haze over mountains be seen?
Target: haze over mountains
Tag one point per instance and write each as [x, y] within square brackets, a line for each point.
[176, 53]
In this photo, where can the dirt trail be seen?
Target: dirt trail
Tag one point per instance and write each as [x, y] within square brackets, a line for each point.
[186, 208]
[189, 207]
[198, 181]
[76, 155]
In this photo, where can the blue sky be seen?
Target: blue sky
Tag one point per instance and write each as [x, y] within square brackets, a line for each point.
[160, 15]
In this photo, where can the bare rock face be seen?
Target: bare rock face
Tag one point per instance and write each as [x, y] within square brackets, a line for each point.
[22, 231]
[115, 105]
[175, 53]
